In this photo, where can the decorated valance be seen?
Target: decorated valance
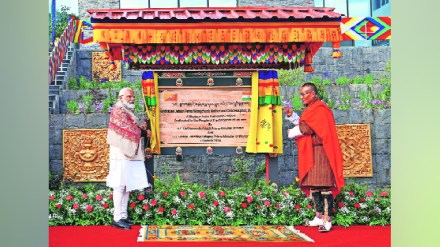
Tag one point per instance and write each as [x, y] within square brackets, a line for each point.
[196, 33]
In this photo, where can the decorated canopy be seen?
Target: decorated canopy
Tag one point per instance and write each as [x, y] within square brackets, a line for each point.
[216, 38]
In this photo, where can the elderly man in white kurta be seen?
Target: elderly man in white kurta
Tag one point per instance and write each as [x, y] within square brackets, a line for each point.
[127, 171]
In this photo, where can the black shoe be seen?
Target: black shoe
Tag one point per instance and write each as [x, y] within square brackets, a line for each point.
[121, 224]
[129, 221]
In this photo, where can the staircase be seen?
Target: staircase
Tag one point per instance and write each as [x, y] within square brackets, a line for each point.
[61, 79]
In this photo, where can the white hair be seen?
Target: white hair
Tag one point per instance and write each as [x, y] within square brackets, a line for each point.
[122, 91]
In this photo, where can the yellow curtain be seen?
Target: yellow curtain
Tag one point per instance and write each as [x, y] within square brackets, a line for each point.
[265, 130]
[151, 103]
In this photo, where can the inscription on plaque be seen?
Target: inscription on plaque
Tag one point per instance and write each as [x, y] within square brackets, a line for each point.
[211, 116]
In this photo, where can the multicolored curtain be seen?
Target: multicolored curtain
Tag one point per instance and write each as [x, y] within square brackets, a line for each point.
[265, 130]
[151, 103]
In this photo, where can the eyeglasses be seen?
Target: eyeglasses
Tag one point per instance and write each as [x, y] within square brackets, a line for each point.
[304, 94]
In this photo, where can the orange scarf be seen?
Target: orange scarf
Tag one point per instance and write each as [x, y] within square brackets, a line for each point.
[320, 118]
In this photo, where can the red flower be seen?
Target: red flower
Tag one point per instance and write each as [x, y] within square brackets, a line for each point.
[267, 203]
[257, 192]
[153, 202]
[110, 196]
[182, 193]
[132, 205]
[222, 194]
[215, 203]
[69, 197]
[357, 205]
[191, 206]
[285, 193]
[378, 199]
[244, 205]
[259, 206]
[165, 193]
[105, 205]
[369, 193]
[141, 197]
[209, 212]
[174, 211]
[51, 198]
[89, 208]
[227, 209]
[85, 196]
[351, 193]
[362, 199]
[98, 197]
[160, 210]
[297, 207]
[58, 205]
[383, 193]
[202, 194]
[249, 199]
[341, 204]
[309, 206]
[278, 206]
[145, 207]
[75, 206]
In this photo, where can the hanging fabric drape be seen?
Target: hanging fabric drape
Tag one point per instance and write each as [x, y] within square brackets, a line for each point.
[151, 103]
[265, 130]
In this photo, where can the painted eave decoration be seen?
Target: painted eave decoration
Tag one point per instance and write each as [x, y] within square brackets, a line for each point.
[141, 34]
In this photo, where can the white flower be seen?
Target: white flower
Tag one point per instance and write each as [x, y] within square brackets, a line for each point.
[230, 214]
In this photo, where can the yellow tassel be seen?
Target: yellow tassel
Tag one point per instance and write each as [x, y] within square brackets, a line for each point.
[336, 53]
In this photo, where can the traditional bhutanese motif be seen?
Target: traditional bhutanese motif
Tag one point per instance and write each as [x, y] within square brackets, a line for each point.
[366, 28]
[265, 132]
[149, 93]
[214, 54]
[219, 32]
[79, 35]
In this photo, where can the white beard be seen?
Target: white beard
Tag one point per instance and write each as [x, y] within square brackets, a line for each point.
[128, 105]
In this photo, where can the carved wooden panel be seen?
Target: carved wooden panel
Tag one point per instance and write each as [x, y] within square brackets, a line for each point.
[355, 141]
[101, 70]
[85, 155]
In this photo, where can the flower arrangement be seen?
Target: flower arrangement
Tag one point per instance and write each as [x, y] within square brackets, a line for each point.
[178, 203]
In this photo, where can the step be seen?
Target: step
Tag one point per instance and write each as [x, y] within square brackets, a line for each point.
[59, 78]
[53, 97]
[51, 111]
[63, 73]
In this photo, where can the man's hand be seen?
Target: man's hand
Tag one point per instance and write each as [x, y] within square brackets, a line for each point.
[143, 126]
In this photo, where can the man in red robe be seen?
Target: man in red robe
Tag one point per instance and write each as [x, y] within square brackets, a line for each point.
[319, 156]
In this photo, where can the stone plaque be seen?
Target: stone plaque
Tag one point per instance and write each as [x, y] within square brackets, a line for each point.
[101, 68]
[85, 155]
[355, 141]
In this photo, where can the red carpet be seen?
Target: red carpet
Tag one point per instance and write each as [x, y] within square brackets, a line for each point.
[85, 236]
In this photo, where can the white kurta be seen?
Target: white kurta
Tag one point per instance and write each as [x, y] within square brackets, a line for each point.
[124, 172]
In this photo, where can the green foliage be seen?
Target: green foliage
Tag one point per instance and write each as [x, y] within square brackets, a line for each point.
[244, 176]
[296, 102]
[62, 18]
[344, 102]
[358, 80]
[72, 84]
[293, 77]
[72, 107]
[369, 79]
[177, 202]
[342, 81]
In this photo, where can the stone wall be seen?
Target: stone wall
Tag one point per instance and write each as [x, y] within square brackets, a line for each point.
[216, 168]
[356, 61]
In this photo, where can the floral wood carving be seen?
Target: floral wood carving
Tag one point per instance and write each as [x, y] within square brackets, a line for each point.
[355, 141]
[101, 70]
[85, 155]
